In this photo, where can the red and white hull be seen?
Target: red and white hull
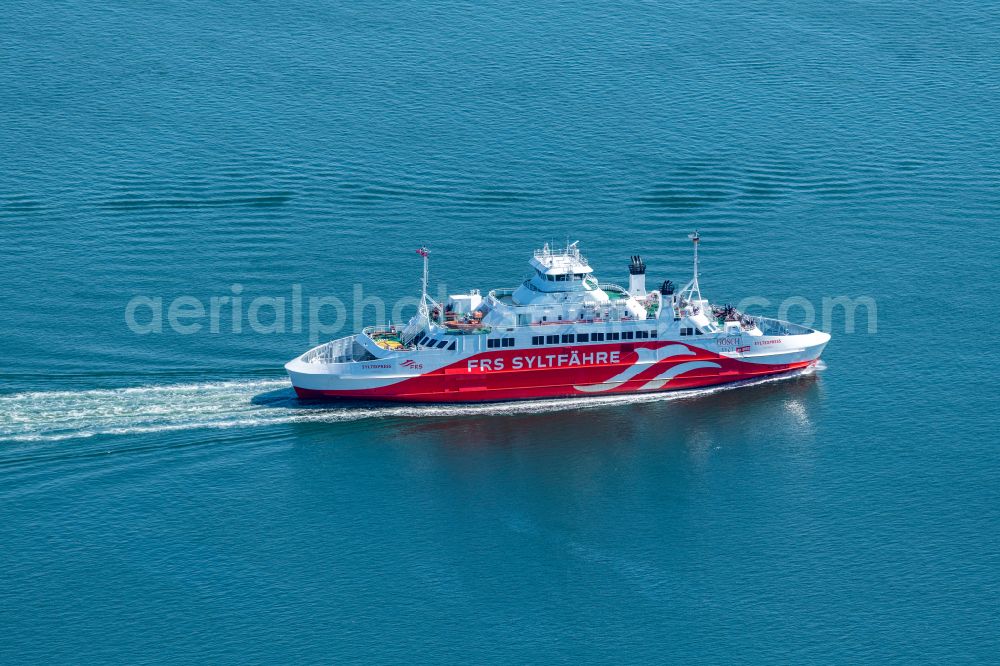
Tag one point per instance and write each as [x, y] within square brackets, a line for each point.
[559, 334]
[552, 372]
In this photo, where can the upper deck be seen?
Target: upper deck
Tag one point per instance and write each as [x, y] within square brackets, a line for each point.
[567, 261]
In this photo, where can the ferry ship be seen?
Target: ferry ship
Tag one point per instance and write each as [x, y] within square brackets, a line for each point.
[561, 333]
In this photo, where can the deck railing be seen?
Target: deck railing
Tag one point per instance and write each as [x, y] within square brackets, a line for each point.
[777, 327]
[571, 252]
[611, 286]
[335, 351]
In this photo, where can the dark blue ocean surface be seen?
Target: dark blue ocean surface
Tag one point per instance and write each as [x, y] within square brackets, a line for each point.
[164, 499]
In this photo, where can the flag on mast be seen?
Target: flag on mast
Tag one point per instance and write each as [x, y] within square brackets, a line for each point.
[423, 252]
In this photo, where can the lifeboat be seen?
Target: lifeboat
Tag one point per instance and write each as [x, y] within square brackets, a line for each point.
[462, 325]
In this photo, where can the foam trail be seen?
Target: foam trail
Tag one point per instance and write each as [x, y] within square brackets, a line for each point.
[55, 415]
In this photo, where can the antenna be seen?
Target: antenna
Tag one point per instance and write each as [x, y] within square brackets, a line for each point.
[694, 239]
[692, 289]
[425, 253]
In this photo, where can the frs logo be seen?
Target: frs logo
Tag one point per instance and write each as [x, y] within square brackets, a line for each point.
[410, 363]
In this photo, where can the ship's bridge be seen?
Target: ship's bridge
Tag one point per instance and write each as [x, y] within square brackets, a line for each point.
[559, 276]
[561, 289]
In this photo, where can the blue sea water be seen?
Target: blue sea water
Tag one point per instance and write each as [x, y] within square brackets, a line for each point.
[163, 498]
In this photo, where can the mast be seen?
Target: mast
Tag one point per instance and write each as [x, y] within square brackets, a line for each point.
[691, 293]
[425, 253]
[694, 280]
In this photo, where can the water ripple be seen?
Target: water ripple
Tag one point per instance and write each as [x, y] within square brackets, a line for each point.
[257, 201]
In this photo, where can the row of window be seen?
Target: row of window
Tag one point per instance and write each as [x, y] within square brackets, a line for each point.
[563, 277]
[570, 338]
[564, 338]
[428, 341]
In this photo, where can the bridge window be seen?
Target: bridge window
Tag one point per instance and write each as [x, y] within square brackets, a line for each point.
[614, 336]
[442, 344]
[583, 337]
[567, 337]
[641, 335]
[451, 347]
[507, 342]
[627, 335]
[597, 337]
[551, 339]
[538, 339]
[652, 333]
[493, 343]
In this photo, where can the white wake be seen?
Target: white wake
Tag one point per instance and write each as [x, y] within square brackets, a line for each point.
[54, 415]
